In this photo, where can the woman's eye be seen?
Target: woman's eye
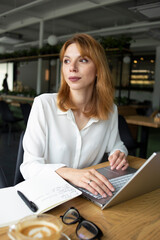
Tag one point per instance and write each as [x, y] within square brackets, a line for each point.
[84, 60]
[66, 61]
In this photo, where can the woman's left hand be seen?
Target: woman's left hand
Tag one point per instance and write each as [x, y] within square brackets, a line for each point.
[118, 160]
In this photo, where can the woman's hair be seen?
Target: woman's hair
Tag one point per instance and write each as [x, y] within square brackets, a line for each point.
[103, 92]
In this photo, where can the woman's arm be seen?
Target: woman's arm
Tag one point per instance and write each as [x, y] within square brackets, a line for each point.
[35, 141]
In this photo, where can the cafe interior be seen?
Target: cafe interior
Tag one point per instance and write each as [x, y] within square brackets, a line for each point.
[31, 35]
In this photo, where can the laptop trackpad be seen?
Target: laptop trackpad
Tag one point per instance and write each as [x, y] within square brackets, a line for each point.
[108, 173]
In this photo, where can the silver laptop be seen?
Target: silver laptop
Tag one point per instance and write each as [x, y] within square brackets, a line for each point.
[129, 183]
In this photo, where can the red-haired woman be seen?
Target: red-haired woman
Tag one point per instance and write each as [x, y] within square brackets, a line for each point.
[72, 129]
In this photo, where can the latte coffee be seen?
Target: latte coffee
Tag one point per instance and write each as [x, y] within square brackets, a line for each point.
[40, 227]
[39, 231]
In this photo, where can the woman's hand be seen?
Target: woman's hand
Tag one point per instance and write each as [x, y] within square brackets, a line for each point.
[118, 160]
[89, 179]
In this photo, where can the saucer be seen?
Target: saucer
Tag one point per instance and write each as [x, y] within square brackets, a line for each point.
[64, 237]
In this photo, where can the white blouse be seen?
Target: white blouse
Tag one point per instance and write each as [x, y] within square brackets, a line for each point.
[53, 140]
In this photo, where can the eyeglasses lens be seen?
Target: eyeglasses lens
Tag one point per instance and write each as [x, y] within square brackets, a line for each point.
[71, 216]
[86, 230]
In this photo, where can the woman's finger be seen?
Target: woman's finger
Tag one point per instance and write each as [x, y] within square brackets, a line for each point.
[100, 183]
[118, 160]
[121, 164]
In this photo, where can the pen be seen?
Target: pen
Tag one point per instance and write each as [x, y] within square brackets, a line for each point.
[29, 203]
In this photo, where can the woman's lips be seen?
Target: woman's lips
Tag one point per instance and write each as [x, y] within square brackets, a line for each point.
[74, 79]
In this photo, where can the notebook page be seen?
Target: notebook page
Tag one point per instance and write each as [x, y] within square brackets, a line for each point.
[47, 190]
[12, 208]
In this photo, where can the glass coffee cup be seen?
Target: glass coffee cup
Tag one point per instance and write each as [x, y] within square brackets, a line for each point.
[35, 227]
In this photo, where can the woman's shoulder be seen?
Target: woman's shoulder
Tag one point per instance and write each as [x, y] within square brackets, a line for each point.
[46, 101]
[115, 108]
[113, 112]
[46, 97]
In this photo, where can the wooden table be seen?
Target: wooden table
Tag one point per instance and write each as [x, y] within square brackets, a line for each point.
[145, 123]
[16, 100]
[136, 219]
[142, 121]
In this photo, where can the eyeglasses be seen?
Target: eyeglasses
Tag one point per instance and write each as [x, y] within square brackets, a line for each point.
[85, 230]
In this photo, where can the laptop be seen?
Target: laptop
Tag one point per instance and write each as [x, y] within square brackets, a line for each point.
[129, 183]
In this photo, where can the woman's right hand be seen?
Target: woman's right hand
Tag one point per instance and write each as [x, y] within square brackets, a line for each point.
[89, 179]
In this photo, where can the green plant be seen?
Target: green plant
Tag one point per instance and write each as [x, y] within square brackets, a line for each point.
[46, 49]
[115, 42]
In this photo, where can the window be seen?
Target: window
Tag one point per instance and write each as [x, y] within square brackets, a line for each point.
[6, 68]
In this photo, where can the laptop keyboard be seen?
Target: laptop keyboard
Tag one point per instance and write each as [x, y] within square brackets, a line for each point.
[118, 183]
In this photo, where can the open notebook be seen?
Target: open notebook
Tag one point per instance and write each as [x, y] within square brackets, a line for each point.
[129, 183]
[47, 190]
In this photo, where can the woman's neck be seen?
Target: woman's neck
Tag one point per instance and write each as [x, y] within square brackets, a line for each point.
[81, 99]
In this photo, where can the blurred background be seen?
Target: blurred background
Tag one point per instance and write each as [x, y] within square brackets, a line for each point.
[32, 33]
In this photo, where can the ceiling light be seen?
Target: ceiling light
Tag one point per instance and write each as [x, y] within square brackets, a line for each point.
[52, 40]
[126, 59]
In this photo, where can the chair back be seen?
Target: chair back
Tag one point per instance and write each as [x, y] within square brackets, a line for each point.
[25, 108]
[126, 136]
[3, 180]
[18, 176]
[5, 111]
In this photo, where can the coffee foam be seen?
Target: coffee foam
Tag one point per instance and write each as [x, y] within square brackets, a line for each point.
[39, 229]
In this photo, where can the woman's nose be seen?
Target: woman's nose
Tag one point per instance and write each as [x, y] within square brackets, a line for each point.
[73, 67]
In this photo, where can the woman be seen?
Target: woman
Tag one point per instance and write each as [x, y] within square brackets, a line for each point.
[73, 129]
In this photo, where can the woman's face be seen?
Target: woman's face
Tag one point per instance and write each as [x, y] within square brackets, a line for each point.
[79, 72]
